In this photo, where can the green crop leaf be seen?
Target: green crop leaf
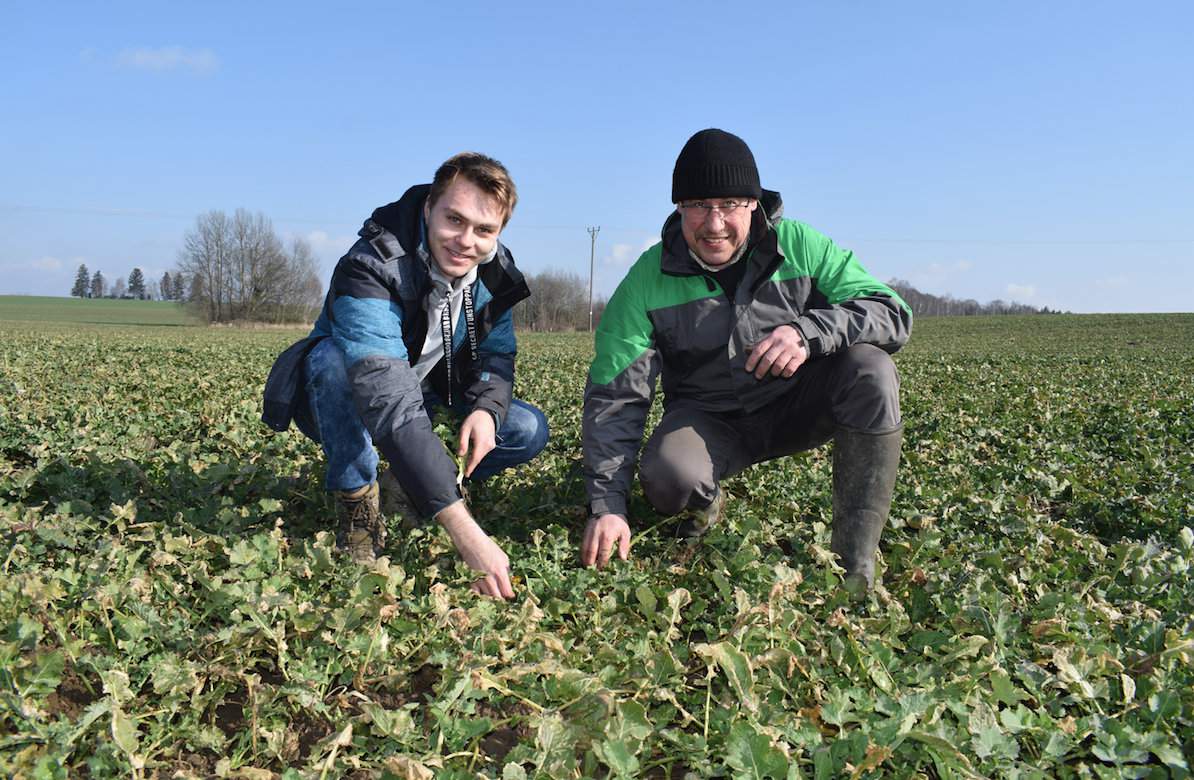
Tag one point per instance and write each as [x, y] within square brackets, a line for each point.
[28, 630]
[1167, 752]
[243, 553]
[838, 707]
[44, 675]
[171, 558]
[514, 772]
[752, 756]
[646, 600]
[1003, 688]
[631, 723]
[618, 756]
[987, 738]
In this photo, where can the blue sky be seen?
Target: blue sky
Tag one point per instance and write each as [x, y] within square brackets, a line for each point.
[1037, 152]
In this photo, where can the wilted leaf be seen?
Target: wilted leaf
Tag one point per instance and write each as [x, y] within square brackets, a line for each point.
[408, 768]
[124, 734]
[735, 666]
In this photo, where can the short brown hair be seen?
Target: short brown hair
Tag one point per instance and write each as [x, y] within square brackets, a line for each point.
[485, 172]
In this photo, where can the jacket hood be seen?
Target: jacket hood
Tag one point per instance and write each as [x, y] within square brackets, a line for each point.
[675, 249]
[404, 217]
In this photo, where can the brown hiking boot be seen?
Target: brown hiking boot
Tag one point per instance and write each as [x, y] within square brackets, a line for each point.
[362, 531]
[395, 501]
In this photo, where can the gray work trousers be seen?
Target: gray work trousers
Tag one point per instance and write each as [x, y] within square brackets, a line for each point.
[692, 450]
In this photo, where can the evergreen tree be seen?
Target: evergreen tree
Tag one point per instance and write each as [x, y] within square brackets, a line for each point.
[97, 285]
[179, 293]
[166, 286]
[137, 284]
[82, 283]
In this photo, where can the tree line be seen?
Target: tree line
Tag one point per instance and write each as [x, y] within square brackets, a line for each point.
[559, 301]
[236, 268]
[229, 269]
[928, 305]
[95, 285]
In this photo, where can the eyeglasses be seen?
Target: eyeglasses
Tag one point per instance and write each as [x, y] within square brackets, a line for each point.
[703, 208]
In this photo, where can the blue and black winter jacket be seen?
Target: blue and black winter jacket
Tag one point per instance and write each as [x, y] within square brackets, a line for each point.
[374, 313]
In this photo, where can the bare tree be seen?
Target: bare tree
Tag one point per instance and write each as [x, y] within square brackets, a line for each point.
[259, 263]
[118, 288]
[559, 301]
[292, 290]
[239, 270]
[205, 259]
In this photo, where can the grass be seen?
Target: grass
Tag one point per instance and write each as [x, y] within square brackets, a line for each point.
[89, 311]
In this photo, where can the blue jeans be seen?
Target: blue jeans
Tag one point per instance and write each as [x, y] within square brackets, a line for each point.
[331, 419]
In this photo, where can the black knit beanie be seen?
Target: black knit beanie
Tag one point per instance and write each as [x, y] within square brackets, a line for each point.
[715, 164]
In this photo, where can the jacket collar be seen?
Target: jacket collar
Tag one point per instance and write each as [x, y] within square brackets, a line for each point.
[676, 259]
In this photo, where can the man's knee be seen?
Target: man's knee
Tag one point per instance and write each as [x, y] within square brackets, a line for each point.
[868, 396]
[669, 482]
[525, 428]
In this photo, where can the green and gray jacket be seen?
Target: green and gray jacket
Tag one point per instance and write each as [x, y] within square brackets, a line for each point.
[670, 318]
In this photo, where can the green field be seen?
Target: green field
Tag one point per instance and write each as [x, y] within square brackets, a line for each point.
[97, 311]
[172, 604]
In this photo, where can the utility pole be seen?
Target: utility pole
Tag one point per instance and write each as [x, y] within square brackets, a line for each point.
[593, 231]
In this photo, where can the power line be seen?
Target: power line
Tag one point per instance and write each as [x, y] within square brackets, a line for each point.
[141, 213]
[149, 214]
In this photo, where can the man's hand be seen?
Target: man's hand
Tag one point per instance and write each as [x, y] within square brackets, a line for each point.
[781, 353]
[479, 552]
[478, 436]
[601, 533]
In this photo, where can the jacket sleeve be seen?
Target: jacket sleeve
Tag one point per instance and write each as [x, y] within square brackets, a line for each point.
[283, 389]
[367, 327]
[618, 396]
[850, 306]
[492, 384]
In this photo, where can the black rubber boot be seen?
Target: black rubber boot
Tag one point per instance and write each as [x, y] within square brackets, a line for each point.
[864, 472]
[695, 522]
